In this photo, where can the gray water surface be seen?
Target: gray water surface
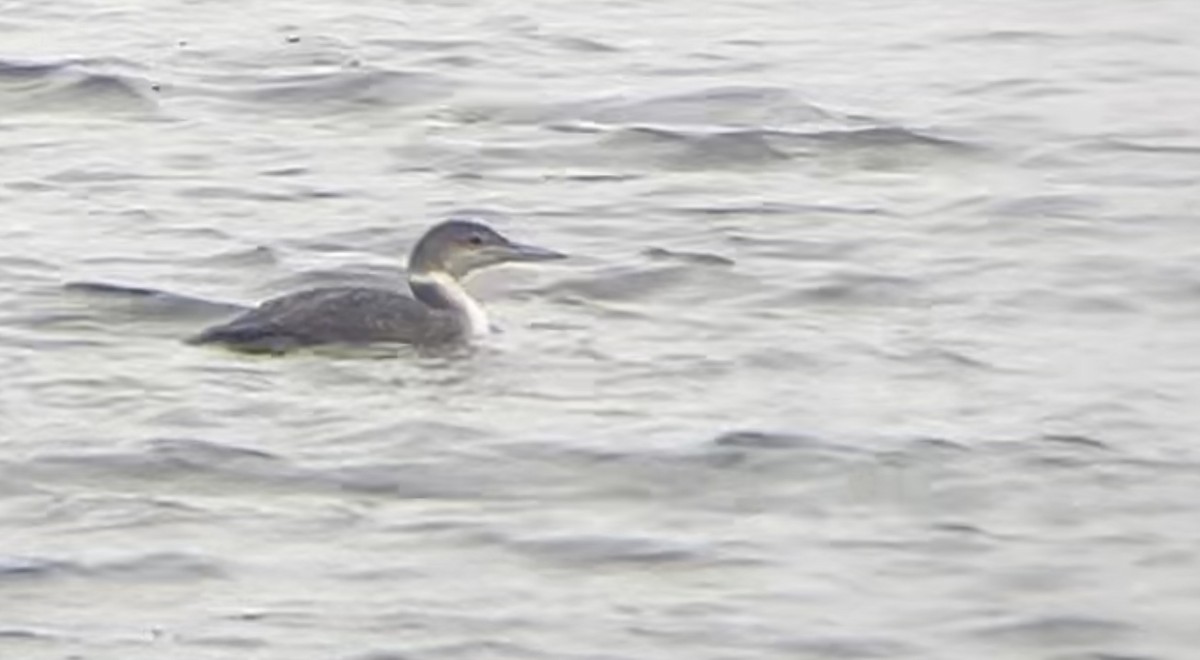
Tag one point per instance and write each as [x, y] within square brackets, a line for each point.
[879, 339]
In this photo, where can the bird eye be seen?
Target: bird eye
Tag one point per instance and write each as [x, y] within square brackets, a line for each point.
[475, 239]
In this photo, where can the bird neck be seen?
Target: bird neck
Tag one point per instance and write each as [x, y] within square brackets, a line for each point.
[442, 291]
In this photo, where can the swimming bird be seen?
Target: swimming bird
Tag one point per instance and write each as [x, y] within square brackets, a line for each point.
[439, 311]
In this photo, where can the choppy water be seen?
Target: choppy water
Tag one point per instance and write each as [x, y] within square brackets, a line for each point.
[880, 339]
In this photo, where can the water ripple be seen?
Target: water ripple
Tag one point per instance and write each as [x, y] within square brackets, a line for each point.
[68, 88]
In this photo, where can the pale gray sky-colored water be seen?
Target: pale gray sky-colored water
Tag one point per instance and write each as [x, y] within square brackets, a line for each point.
[879, 338]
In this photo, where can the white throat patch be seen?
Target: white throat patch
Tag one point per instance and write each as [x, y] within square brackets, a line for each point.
[472, 312]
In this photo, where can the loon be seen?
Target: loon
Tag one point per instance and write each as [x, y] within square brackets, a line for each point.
[440, 311]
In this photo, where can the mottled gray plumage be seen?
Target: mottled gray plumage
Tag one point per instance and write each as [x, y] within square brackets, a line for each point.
[336, 315]
[439, 311]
